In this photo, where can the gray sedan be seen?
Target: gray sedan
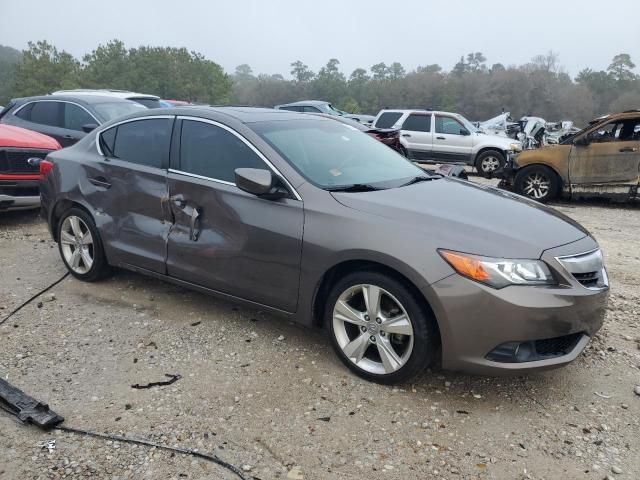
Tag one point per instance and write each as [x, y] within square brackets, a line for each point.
[313, 220]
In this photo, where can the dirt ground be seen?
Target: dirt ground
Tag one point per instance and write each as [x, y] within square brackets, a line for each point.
[270, 397]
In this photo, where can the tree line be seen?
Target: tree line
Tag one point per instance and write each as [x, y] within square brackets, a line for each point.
[472, 87]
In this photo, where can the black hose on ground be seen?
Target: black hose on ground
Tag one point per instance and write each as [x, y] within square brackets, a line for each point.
[27, 302]
[117, 438]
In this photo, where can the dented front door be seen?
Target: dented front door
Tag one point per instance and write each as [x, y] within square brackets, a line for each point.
[606, 166]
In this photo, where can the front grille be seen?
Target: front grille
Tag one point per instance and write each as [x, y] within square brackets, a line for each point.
[587, 269]
[15, 160]
[556, 347]
[588, 279]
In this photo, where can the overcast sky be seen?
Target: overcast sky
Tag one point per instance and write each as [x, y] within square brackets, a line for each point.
[270, 34]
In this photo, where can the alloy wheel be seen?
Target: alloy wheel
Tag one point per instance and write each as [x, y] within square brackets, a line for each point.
[76, 244]
[536, 185]
[489, 164]
[373, 329]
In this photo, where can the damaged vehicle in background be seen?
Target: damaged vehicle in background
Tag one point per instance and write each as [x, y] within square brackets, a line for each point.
[19, 187]
[603, 160]
[320, 106]
[389, 136]
[444, 137]
[315, 221]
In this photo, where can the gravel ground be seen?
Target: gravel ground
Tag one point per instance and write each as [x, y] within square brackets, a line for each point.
[270, 397]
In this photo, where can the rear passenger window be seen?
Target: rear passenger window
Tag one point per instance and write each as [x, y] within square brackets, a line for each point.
[46, 113]
[213, 152]
[417, 123]
[292, 108]
[311, 109]
[145, 142]
[388, 119]
[107, 141]
[76, 117]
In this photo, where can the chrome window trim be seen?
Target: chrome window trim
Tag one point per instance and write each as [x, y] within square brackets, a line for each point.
[246, 142]
[128, 120]
[59, 101]
[201, 177]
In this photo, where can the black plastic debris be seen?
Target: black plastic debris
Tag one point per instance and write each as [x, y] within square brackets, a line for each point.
[27, 409]
[172, 379]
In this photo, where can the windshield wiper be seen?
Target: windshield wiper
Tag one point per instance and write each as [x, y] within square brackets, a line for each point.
[420, 178]
[354, 187]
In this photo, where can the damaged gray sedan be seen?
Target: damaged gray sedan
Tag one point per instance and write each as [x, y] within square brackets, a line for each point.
[314, 220]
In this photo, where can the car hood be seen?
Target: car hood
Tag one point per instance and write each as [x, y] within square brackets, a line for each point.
[16, 137]
[498, 140]
[553, 154]
[467, 217]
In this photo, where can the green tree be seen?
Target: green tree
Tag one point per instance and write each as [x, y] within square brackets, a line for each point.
[9, 59]
[301, 72]
[396, 71]
[621, 67]
[44, 69]
[476, 62]
[380, 71]
[107, 67]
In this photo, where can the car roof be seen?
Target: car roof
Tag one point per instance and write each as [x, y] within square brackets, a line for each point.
[302, 103]
[105, 91]
[240, 114]
[416, 110]
[81, 99]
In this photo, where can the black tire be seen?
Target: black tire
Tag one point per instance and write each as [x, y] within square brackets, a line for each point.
[425, 336]
[99, 268]
[525, 183]
[489, 162]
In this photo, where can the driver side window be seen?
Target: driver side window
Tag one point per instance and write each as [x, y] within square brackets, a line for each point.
[606, 133]
[448, 125]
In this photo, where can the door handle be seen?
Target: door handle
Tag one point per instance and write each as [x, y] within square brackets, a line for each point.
[178, 200]
[628, 149]
[194, 232]
[406, 135]
[440, 138]
[100, 182]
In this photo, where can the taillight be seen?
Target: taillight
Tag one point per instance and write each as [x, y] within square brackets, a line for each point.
[45, 167]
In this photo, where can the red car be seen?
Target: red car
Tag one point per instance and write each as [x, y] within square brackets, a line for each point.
[18, 179]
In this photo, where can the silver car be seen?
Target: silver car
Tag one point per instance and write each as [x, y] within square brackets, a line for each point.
[314, 220]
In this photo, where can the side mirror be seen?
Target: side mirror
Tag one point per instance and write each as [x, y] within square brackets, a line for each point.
[89, 127]
[584, 141]
[259, 182]
[465, 132]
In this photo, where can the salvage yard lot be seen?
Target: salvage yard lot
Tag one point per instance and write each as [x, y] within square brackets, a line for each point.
[270, 396]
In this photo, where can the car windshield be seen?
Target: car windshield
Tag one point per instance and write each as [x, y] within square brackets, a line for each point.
[330, 154]
[467, 124]
[110, 110]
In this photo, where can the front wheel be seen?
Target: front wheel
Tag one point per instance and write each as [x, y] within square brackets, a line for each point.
[80, 246]
[378, 328]
[537, 182]
[489, 161]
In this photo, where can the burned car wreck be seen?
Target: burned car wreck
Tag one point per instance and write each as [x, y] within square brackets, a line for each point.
[602, 160]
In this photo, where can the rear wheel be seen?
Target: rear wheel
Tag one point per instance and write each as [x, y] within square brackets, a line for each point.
[489, 161]
[378, 328]
[80, 246]
[537, 182]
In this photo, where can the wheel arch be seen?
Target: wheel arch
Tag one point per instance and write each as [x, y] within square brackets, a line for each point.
[345, 267]
[561, 181]
[487, 149]
[58, 210]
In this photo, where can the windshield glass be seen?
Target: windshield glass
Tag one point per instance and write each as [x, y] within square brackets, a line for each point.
[110, 110]
[467, 124]
[331, 154]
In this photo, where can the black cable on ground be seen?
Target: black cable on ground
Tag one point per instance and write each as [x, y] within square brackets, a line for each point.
[204, 456]
[24, 304]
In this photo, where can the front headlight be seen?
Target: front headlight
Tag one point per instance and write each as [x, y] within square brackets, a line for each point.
[499, 272]
[515, 147]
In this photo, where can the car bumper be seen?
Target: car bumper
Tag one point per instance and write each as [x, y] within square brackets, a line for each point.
[507, 172]
[9, 202]
[478, 322]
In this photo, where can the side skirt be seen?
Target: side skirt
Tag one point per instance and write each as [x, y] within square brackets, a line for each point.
[208, 291]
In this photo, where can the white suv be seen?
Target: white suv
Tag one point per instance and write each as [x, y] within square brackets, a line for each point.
[149, 101]
[444, 137]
